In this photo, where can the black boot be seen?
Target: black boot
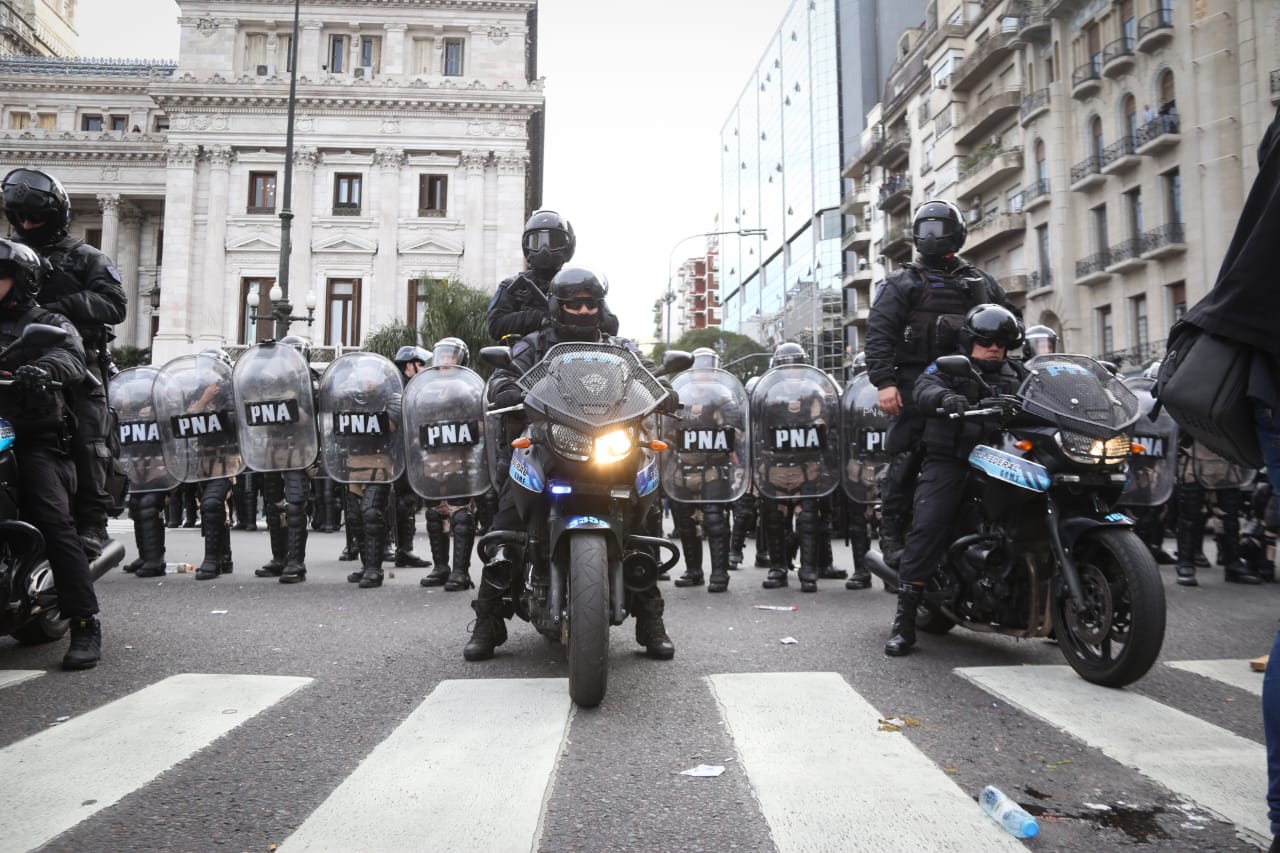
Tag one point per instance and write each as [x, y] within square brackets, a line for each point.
[463, 532]
[295, 566]
[211, 567]
[279, 543]
[149, 534]
[690, 544]
[1234, 570]
[891, 540]
[777, 578]
[488, 631]
[86, 644]
[355, 532]
[826, 560]
[650, 632]
[691, 577]
[903, 632]
[406, 514]
[439, 542]
[225, 566]
[716, 525]
[371, 550]
[1188, 542]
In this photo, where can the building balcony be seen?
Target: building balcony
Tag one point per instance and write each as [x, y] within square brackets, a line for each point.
[1125, 256]
[989, 229]
[935, 38]
[1117, 57]
[857, 239]
[895, 150]
[987, 116]
[860, 277]
[1087, 173]
[895, 193]
[1063, 8]
[1168, 239]
[1086, 79]
[854, 198]
[903, 81]
[1275, 86]
[1093, 269]
[1035, 195]
[990, 168]
[1154, 30]
[1158, 134]
[1120, 156]
[1015, 283]
[869, 150]
[983, 58]
[898, 244]
[1033, 24]
[1033, 105]
[1039, 280]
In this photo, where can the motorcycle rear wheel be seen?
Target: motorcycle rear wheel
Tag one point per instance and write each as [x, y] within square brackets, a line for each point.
[588, 616]
[1116, 636]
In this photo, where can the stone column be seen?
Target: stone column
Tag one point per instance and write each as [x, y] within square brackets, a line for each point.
[473, 272]
[311, 55]
[210, 327]
[509, 215]
[130, 244]
[386, 265]
[109, 204]
[304, 191]
[393, 48]
[174, 337]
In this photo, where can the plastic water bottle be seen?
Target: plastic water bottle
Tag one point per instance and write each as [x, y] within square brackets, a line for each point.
[1007, 813]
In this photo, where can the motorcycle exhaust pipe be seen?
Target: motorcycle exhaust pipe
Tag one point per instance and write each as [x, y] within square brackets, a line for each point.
[879, 568]
[639, 571]
[112, 554]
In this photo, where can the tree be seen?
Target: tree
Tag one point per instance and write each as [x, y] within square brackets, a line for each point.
[749, 355]
[454, 309]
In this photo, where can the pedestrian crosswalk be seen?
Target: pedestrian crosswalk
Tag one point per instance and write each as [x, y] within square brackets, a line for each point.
[840, 775]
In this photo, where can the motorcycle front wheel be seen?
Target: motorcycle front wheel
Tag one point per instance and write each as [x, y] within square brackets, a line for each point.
[1116, 634]
[588, 618]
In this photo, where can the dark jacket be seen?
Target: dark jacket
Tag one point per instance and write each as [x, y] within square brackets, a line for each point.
[520, 305]
[946, 436]
[40, 415]
[901, 326]
[84, 287]
[504, 390]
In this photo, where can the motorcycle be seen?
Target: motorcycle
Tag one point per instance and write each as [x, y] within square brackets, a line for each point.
[585, 472]
[1039, 549]
[29, 609]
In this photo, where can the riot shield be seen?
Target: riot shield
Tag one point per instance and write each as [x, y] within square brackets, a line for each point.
[360, 419]
[277, 415]
[863, 430]
[445, 433]
[196, 414]
[1154, 472]
[709, 447]
[141, 451]
[1213, 472]
[795, 433]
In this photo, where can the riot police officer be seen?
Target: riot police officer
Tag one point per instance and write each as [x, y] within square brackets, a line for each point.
[913, 320]
[519, 306]
[411, 360]
[215, 492]
[1039, 340]
[989, 332]
[41, 420]
[864, 428]
[84, 286]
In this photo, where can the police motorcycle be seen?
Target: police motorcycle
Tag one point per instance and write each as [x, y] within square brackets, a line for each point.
[1039, 549]
[28, 598]
[197, 419]
[584, 472]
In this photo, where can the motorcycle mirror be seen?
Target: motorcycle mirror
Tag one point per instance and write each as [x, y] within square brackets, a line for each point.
[954, 365]
[496, 357]
[1111, 367]
[37, 335]
[674, 361]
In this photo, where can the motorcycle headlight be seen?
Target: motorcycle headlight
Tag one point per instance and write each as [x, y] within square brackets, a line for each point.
[570, 443]
[1093, 451]
[614, 446]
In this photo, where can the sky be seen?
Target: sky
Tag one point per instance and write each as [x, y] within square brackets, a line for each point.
[636, 96]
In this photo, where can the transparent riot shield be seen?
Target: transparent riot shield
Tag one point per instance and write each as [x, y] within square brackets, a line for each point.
[1213, 472]
[276, 408]
[795, 433]
[709, 446]
[196, 414]
[863, 430]
[445, 433]
[141, 450]
[360, 420]
[1154, 472]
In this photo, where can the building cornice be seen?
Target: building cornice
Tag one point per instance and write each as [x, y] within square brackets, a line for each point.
[210, 6]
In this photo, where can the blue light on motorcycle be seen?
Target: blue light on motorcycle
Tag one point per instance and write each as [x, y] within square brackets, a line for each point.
[561, 489]
[6, 435]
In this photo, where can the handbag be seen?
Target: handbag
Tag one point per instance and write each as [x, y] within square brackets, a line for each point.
[1203, 382]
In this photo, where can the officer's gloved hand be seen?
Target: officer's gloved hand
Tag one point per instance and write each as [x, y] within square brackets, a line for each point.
[31, 378]
[670, 404]
[1007, 404]
[953, 404]
[508, 397]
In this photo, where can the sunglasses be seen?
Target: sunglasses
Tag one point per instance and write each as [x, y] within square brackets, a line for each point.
[581, 303]
[990, 342]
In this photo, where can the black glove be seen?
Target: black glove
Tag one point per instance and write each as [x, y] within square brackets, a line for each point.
[670, 404]
[509, 396]
[31, 378]
[1005, 403]
[953, 404]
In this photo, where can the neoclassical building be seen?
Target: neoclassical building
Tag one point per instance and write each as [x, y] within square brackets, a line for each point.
[416, 155]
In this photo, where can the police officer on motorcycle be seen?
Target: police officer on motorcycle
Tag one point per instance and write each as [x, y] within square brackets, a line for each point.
[84, 286]
[913, 320]
[41, 418]
[519, 306]
[988, 334]
[575, 312]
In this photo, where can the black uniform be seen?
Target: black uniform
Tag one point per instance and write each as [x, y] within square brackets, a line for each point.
[520, 305]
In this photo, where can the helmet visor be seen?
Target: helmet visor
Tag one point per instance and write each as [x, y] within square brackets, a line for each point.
[546, 239]
[1042, 344]
[32, 181]
[935, 228]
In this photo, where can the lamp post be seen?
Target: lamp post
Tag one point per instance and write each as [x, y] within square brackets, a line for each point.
[670, 296]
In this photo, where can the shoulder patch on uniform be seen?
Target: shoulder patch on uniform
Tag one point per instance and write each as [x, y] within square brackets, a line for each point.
[114, 273]
[933, 368]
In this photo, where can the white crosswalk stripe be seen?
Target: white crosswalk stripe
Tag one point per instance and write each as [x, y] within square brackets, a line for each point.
[11, 677]
[1210, 766]
[113, 755]
[1233, 672]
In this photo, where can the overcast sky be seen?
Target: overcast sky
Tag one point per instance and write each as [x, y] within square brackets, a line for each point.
[636, 95]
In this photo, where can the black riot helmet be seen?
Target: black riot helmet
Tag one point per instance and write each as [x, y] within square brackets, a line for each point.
[34, 195]
[409, 353]
[25, 267]
[787, 353]
[299, 343]
[859, 364]
[706, 357]
[1040, 340]
[938, 230]
[450, 352]
[548, 242]
[217, 353]
[989, 323]
[575, 287]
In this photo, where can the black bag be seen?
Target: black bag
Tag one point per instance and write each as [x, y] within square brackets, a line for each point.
[1204, 382]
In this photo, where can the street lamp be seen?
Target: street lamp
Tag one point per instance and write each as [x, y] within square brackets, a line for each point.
[280, 309]
[671, 259]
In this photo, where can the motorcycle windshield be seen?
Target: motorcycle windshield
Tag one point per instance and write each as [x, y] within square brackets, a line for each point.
[1078, 394]
[589, 387]
[1153, 472]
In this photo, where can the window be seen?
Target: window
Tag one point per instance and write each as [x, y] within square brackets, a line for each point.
[1042, 250]
[1140, 332]
[370, 52]
[1099, 217]
[91, 122]
[255, 51]
[1176, 295]
[286, 45]
[161, 124]
[453, 57]
[337, 54]
[1095, 139]
[119, 123]
[1133, 211]
[1013, 199]
[262, 192]
[346, 194]
[1106, 333]
[418, 290]
[421, 56]
[1129, 107]
[19, 121]
[433, 195]
[343, 303]
[1172, 182]
[250, 332]
[48, 121]
[1042, 164]
[93, 236]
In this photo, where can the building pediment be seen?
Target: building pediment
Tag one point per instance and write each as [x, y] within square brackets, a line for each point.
[430, 245]
[344, 244]
[253, 243]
